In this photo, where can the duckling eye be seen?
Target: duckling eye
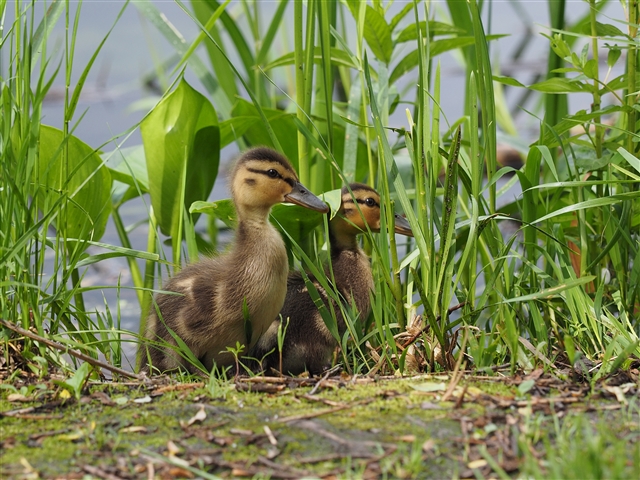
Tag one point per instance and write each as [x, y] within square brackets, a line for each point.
[370, 202]
[273, 173]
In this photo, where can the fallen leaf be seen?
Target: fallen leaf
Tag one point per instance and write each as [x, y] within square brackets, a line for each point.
[618, 392]
[103, 398]
[17, 397]
[198, 417]
[428, 445]
[477, 464]
[272, 452]
[525, 411]
[430, 387]
[134, 429]
[172, 449]
[145, 399]
[177, 472]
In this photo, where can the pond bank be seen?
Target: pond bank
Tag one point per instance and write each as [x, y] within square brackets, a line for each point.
[350, 427]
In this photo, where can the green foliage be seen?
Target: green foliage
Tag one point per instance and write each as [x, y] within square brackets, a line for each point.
[72, 172]
[565, 286]
[182, 148]
[75, 384]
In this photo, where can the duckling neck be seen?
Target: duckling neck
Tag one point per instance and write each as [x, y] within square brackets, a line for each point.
[340, 240]
[261, 268]
[254, 215]
[352, 270]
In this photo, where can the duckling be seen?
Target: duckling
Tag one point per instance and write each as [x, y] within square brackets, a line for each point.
[308, 344]
[209, 299]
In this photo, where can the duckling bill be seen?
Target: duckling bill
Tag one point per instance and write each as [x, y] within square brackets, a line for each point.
[308, 344]
[207, 302]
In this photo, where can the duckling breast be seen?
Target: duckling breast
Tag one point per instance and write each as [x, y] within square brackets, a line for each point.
[259, 280]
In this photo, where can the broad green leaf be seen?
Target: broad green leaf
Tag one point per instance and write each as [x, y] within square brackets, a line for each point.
[234, 128]
[221, 209]
[75, 383]
[81, 177]
[378, 35]
[591, 68]
[281, 122]
[587, 159]
[183, 127]
[128, 166]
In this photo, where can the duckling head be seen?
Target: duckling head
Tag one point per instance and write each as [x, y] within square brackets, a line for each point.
[262, 178]
[353, 219]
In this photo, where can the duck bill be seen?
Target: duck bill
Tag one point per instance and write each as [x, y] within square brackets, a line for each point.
[402, 226]
[303, 197]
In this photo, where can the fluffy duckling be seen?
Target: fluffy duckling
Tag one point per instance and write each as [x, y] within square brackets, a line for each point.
[308, 344]
[205, 308]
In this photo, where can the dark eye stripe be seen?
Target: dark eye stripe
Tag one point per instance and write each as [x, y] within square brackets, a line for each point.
[363, 202]
[266, 173]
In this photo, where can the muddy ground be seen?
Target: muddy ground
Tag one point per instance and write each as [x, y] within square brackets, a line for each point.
[430, 426]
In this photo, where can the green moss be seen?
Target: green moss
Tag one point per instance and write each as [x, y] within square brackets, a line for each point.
[382, 413]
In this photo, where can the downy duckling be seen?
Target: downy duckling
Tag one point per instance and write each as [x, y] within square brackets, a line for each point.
[308, 344]
[208, 300]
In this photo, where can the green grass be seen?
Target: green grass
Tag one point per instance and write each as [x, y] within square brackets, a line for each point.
[565, 287]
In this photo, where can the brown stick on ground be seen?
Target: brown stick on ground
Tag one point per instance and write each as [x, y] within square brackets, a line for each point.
[73, 353]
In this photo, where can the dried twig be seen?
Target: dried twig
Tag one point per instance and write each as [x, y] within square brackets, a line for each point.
[100, 473]
[73, 353]
[23, 411]
[318, 413]
[317, 385]
[457, 374]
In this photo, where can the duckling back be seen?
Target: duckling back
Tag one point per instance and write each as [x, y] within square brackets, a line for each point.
[206, 303]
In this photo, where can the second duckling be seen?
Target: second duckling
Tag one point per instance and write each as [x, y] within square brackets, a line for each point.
[308, 344]
[210, 300]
